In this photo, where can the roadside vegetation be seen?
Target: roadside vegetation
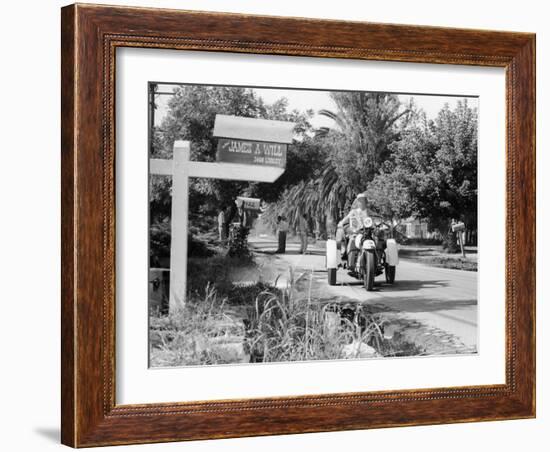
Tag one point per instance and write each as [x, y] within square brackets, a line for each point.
[261, 323]
[436, 256]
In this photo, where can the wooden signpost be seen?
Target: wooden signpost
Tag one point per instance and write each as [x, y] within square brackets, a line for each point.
[268, 138]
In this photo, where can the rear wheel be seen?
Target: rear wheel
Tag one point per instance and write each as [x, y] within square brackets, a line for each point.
[390, 273]
[368, 275]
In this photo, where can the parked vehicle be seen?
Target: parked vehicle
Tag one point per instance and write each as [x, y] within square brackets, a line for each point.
[365, 252]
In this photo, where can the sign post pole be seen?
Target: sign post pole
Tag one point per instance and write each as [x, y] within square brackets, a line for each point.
[461, 244]
[178, 244]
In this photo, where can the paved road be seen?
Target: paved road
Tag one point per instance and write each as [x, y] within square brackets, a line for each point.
[440, 298]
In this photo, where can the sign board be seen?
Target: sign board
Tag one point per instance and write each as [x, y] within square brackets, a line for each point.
[248, 203]
[253, 129]
[251, 152]
[458, 227]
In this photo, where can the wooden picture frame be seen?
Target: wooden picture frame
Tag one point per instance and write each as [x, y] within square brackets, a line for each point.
[90, 35]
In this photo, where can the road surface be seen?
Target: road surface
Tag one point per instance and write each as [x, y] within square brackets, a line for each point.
[439, 298]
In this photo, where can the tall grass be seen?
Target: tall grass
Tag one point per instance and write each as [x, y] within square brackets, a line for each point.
[198, 332]
[283, 326]
[271, 325]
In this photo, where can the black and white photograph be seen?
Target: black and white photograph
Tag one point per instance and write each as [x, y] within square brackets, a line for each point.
[293, 225]
[242, 226]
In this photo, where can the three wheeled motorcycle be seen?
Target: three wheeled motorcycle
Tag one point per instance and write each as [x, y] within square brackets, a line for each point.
[364, 251]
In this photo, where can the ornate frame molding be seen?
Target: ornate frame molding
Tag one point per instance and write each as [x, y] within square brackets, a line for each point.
[90, 37]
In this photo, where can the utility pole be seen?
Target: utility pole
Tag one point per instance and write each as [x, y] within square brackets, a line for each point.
[152, 107]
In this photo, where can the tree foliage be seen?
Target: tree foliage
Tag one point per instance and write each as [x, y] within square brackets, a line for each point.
[389, 196]
[366, 124]
[191, 114]
[408, 165]
[437, 162]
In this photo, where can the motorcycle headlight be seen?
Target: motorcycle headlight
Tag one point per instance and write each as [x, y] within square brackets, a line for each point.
[367, 222]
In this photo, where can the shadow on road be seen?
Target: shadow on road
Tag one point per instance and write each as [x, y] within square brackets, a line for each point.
[398, 286]
[271, 251]
[417, 284]
[409, 304]
[297, 252]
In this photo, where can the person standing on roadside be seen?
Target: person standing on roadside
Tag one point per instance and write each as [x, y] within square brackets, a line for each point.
[221, 226]
[302, 229]
[282, 229]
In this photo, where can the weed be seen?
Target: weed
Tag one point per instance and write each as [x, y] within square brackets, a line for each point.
[261, 323]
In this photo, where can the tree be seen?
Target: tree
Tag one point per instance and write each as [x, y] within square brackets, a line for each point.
[305, 155]
[456, 135]
[437, 162]
[191, 115]
[323, 198]
[192, 112]
[366, 125]
[388, 195]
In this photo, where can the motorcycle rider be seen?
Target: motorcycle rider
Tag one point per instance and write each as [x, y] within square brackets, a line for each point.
[358, 211]
[351, 223]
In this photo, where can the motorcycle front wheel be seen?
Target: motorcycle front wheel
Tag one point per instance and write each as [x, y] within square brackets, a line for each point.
[368, 272]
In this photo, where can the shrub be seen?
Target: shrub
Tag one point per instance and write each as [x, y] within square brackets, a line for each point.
[214, 272]
[450, 244]
[238, 242]
[197, 333]
[197, 248]
[247, 295]
[159, 243]
[208, 272]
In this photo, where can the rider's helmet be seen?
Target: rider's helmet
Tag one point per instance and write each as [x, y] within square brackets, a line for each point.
[358, 212]
[360, 202]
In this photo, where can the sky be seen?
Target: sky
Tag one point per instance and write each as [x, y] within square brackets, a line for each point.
[318, 100]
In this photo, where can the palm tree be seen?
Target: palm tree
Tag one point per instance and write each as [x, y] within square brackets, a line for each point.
[323, 198]
[364, 126]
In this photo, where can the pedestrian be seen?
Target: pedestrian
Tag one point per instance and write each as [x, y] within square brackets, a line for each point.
[317, 231]
[243, 216]
[221, 226]
[351, 223]
[282, 229]
[302, 229]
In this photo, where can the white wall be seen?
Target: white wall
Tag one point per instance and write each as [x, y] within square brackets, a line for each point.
[29, 244]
